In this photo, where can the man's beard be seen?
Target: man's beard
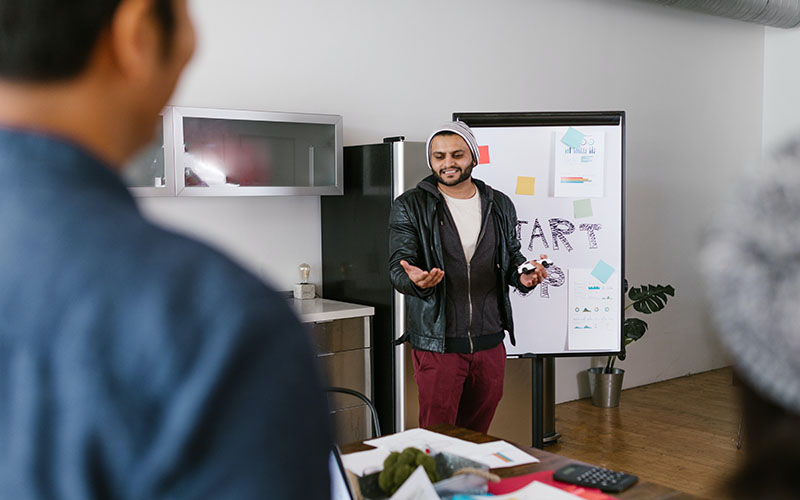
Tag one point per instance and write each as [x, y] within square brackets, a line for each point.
[465, 174]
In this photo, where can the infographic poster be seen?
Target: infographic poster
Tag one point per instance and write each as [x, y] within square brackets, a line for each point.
[593, 310]
[579, 166]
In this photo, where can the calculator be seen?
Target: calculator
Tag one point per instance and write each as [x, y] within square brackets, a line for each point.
[591, 476]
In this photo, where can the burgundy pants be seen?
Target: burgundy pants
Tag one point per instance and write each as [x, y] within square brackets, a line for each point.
[459, 389]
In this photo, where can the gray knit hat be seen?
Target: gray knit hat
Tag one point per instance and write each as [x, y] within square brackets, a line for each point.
[461, 129]
[752, 264]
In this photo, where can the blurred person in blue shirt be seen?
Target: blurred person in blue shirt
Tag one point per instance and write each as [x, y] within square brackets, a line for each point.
[134, 363]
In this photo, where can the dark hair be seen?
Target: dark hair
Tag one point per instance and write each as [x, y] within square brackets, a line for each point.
[51, 40]
[772, 450]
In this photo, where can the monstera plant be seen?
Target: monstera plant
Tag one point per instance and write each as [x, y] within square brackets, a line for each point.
[646, 299]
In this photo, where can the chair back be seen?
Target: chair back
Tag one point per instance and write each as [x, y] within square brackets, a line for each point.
[373, 412]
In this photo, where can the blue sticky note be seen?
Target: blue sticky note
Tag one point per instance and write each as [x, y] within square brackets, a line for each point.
[572, 138]
[602, 271]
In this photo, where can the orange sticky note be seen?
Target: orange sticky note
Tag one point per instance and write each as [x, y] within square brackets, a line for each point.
[526, 185]
[483, 152]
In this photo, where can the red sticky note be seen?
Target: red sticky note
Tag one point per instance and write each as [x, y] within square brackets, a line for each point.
[483, 151]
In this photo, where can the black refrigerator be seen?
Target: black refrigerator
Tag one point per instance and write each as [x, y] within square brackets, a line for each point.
[355, 256]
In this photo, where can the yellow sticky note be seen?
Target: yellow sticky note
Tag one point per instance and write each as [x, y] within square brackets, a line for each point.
[526, 185]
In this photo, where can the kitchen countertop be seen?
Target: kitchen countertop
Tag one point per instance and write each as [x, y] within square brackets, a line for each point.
[312, 310]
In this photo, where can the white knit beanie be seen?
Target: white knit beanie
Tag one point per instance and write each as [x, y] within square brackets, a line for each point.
[461, 129]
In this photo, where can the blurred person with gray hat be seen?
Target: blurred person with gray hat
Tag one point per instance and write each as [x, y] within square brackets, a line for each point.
[454, 254]
[752, 264]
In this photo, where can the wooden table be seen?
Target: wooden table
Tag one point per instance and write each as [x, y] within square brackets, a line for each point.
[642, 490]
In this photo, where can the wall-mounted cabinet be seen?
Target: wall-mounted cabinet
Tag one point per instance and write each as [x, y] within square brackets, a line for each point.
[152, 170]
[216, 152]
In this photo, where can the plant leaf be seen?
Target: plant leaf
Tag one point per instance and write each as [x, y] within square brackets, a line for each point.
[633, 329]
[648, 299]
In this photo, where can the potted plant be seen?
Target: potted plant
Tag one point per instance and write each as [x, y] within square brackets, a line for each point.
[605, 383]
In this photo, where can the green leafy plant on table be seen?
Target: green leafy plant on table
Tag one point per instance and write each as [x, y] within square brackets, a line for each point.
[399, 466]
[646, 299]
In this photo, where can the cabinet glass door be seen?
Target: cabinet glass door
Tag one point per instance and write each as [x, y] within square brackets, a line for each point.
[149, 173]
[229, 152]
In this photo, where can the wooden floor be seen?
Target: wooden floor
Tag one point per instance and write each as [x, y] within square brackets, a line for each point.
[679, 433]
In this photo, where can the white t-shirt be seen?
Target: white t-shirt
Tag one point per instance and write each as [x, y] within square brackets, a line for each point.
[467, 216]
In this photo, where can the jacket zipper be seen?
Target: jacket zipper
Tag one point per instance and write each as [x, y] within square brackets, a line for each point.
[469, 298]
[469, 279]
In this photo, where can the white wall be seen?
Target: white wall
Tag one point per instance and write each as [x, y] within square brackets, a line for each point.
[691, 85]
[781, 84]
[270, 236]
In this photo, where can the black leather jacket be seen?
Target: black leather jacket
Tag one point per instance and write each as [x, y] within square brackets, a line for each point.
[414, 236]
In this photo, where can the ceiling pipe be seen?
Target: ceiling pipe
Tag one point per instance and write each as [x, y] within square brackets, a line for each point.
[777, 13]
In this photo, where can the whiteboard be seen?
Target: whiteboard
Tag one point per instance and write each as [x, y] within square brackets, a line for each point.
[565, 174]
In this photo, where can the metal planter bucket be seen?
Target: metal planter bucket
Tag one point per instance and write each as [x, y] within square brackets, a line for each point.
[605, 387]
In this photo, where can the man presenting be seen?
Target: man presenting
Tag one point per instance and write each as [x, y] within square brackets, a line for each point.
[456, 322]
[134, 363]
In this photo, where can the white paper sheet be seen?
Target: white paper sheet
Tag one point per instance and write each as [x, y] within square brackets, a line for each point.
[593, 311]
[495, 455]
[417, 487]
[533, 491]
[365, 462]
[580, 172]
[425, 440]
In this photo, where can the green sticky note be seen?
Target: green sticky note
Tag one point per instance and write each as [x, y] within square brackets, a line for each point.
[572, 138]
[602, 271]
[583, 208]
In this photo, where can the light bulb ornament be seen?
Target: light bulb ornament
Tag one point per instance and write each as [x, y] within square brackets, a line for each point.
[304, 289]
[305, 272]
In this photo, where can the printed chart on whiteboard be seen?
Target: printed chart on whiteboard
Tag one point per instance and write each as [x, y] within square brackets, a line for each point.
[592, 311]
[564, 173]
[579, 170]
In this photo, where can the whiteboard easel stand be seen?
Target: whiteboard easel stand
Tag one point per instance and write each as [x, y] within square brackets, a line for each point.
[541, 384]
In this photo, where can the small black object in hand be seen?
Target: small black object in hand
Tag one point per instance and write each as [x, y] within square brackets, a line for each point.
[528, 268]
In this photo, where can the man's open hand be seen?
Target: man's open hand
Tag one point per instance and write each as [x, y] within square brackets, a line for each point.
[421, 278]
